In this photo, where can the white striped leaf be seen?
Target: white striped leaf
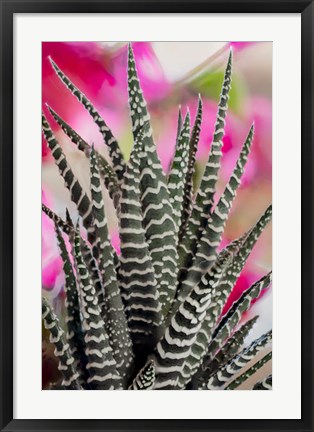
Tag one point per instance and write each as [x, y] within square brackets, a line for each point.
[75, 336]
[212, 233]
[113, 146]
[226, 373]
[101, 365]
[160, 230]
[265, 384]
[231, 273]
[106, 172]
[78, 196]
[227, 350]
[232, 318]
[205, 195]
[145, 379]
[115, 319]
[251, 371]
[178, 172]
[136, 274]
[188, 187]
[66, 366]
[175, 346]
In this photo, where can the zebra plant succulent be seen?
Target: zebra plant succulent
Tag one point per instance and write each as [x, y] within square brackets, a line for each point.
[152, 316]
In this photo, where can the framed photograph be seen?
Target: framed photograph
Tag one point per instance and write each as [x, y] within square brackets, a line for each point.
[156, 215]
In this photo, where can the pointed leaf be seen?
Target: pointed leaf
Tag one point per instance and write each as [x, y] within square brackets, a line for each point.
[251, 371]
[212, 233]
[106, 172]
[144, 380]
[136, 275]
[62, 351]
[160, 230]
[223, 375]
[116, 323]
[232, 318]
[75, 335]
[188, 187]
[205, 195]
[177, 176]
[78, 196]
[101, 365]
[175, 346]
[113, 146]
[265, 384]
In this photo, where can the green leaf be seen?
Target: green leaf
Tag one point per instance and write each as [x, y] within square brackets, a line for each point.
[67, 227]
[75, 334]
[78, 196]
[106, 172]
[251, 371]
[223, 375]
[160, 230]
[199, 347]
[145, 379]
[212, 233]
[115, 319]
[62, 351]
[265, 384]
[113, 146]
[136, 275]
[179, 169]
[232, 318]
[228, 349]
[188, 187]
[175, 346]
[101, 364]
[179, 125]
[236, 266]
[240, 249]
[205, 195]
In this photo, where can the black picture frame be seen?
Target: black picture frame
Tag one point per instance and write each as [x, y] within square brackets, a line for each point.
[11, 7]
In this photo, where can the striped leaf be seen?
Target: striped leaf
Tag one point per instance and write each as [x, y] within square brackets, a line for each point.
[78, 196]
[175, 346]
[251, 371]
[66, 366]
[116, 323]
[75, 336]
[106, 172]
[199, 347]
[136, 275]
[211, 237]
[188, 187]
[205, 195]
[226, 373]
[179, 124]
[160, 230]
[179, 169]
[145, 379]
[101, 364]
[232, 318]
[235, 268]
[265, 384]
[113, 146]
[240, 250]
[67, 227]
[229, 348]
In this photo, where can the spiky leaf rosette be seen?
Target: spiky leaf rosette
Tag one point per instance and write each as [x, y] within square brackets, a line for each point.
[151, 317]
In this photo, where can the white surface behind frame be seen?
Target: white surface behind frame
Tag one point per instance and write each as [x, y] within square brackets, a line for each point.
[284, 401]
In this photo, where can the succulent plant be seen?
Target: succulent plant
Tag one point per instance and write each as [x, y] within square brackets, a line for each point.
[151, 317]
